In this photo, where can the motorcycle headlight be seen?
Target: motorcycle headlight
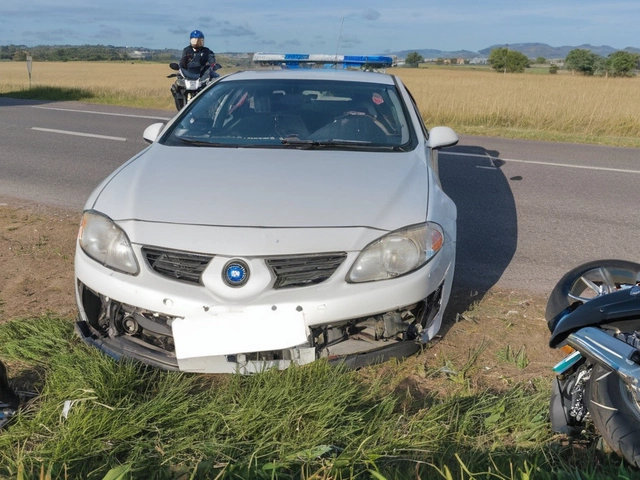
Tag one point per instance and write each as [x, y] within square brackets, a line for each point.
[101, 239]
[397, 253]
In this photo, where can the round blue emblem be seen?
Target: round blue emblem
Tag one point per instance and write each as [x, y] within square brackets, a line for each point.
[235, 273]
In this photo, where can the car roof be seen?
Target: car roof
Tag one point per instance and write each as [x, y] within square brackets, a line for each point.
[313, 74]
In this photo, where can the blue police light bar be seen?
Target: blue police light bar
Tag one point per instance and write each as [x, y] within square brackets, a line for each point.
[305, 60]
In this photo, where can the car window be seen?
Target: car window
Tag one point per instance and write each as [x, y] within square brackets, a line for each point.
[285, 113]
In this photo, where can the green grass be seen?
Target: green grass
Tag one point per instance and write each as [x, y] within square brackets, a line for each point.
[517, 357]
[317, 421]
[95, 95]
[52, 93]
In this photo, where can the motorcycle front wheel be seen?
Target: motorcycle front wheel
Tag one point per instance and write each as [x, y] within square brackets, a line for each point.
[615, 413]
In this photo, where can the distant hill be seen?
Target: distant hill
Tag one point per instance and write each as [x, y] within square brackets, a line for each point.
[431, 53]
[531, 50]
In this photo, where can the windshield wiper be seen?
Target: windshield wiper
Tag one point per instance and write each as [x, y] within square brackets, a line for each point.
[298, 143]
[338, 143]
[200, 143]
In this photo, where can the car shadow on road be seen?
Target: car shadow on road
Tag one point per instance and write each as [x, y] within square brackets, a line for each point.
[487, 234]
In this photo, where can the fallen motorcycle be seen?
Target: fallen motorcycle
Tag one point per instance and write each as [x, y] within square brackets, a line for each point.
[188, 83]
[593, 314]
[9, 400]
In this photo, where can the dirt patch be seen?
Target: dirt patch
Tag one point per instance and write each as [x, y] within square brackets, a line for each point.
[36, 260]
[501, 339]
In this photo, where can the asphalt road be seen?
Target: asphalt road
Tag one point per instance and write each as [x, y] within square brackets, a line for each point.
[527, 211]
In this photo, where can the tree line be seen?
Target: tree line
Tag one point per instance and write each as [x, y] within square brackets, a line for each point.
[617, 64]
[85, 53]
[586, 62]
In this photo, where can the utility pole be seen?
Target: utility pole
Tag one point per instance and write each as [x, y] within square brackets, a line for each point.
[506, 55]
[338, 44]
[29, 69]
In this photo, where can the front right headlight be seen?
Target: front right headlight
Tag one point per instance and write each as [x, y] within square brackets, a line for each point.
[102, 240]
[397, 253]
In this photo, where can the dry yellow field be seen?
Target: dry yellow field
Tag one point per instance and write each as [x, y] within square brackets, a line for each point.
[551, 107]
[136, 84]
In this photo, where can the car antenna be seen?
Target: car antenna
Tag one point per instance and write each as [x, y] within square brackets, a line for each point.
[335, 63]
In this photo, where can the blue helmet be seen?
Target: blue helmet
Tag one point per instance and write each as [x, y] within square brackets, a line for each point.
[196, 34]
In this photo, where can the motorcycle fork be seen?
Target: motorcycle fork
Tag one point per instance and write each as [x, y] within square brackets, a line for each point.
[567, 404]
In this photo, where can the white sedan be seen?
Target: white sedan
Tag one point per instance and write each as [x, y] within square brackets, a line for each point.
[283, 216]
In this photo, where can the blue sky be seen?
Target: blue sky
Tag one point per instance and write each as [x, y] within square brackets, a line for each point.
[324, 26]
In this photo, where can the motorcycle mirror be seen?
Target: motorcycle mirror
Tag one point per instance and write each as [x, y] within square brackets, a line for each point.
[174, 66]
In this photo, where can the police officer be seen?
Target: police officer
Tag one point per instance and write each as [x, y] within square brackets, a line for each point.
[196, 58]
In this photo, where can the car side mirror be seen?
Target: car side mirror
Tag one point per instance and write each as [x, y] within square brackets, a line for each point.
[152, 132]
[441, 137]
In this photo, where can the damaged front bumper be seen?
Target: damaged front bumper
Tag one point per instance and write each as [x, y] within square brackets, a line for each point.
[124, 331]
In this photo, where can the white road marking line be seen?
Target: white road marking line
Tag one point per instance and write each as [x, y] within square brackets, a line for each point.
[79, 134]
[102, 113]
[534, 162]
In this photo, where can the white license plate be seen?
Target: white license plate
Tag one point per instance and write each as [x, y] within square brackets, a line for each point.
[256, 330]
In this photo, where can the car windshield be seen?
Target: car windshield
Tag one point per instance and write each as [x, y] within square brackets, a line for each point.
[295, 113]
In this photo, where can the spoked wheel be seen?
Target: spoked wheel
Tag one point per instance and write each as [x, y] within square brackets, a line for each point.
[601, 281]
[589, 281]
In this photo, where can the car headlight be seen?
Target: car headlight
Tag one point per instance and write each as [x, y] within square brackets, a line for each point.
[106, 243]
[397, 253]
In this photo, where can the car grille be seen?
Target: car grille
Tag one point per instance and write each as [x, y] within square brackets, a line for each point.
[177, 265]
[304, 270]
[290, 271]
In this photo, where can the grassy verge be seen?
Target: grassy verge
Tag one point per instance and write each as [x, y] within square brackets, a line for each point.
[123, 420]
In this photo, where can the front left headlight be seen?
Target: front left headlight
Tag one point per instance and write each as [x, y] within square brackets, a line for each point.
[397, 253]
[101, 239]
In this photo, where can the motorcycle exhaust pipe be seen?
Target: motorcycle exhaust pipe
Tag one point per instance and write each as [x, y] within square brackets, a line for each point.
[615, 354]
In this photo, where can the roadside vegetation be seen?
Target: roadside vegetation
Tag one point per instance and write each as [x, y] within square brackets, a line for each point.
[472, 100]
[432, 416]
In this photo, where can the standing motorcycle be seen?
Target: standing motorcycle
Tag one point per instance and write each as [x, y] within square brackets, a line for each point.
[593, 314]
[188, 83]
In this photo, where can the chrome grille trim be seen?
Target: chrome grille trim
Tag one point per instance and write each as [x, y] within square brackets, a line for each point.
[177, 265]
[304, 270]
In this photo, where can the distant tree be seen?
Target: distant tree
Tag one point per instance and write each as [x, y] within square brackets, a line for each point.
[621, 63]
[439, 61]
[414, 59]
[583, 61]
[20, 55]
[553, 69]
[505, 60]
[541, 60]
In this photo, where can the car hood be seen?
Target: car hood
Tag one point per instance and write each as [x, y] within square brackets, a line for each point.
[267, 188]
